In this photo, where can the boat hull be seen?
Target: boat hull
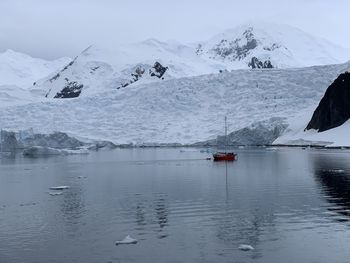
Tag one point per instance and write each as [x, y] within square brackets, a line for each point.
[224, 157]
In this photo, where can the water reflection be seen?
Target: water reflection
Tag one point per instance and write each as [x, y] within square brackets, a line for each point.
[236, 225]
[151, 212]
[333, 175]
[161, 210]
[183, 211]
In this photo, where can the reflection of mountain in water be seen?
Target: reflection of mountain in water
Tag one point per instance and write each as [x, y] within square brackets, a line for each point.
[333, 174]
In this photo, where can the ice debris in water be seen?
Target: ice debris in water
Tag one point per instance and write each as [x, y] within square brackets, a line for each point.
[126, 241]
[55, 193]
[62, 187]
[244, 247]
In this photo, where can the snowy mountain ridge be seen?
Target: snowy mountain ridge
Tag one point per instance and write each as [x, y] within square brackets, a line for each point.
[255, 45]
[22, 70]
[284, 46]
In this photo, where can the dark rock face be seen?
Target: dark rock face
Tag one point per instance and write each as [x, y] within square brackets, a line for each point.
[71, 90]
[256, 63]
[157, 70]
[334, 108]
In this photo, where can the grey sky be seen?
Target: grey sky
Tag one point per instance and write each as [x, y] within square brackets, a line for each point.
[55, 28]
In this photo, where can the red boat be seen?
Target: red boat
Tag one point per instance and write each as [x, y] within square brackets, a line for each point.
[224, 156]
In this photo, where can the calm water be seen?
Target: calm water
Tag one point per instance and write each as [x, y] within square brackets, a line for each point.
[291, 205]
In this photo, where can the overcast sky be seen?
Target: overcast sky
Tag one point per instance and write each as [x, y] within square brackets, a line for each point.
[55, 28]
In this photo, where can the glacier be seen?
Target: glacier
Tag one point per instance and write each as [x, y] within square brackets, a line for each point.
[184, 110]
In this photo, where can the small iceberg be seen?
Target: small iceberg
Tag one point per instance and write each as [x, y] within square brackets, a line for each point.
[62, 187]
[126, 241]
[244, 247]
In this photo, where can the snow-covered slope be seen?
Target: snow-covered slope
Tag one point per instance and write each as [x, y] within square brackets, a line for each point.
[281, 45]
[184, 110]
[251, 45]
[296, 134]
[97, 69]
[22, 70]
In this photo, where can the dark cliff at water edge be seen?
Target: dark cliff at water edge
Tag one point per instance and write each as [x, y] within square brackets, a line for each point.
[334, 107]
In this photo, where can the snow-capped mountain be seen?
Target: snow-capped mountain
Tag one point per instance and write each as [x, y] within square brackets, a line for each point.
[97, 69]
[254, 45]
[266, 45]
[22, 70]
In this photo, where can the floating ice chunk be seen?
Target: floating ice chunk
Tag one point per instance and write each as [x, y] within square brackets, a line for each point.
[126, 241]
[244, 247]
[55, 193]
[62, 187]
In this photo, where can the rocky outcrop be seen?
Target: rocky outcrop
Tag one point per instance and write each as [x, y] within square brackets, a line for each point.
[256, 63]
[157, 70]
[71, 90]
[334, 108]
[237, 49]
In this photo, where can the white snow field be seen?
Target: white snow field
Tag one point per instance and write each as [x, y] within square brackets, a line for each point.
[22, 70]
[18, 71]
[295, 134]
[185, 110]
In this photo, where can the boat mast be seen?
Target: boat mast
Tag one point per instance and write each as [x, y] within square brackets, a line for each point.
[225, 133]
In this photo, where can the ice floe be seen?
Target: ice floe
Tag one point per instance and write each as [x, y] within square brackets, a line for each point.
[126, 241]
[245, 247]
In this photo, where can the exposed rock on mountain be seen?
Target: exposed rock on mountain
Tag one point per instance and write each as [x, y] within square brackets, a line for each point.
[256, 63]
[157, 70]
[236, 49]
[334, 108]
[71, 90]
